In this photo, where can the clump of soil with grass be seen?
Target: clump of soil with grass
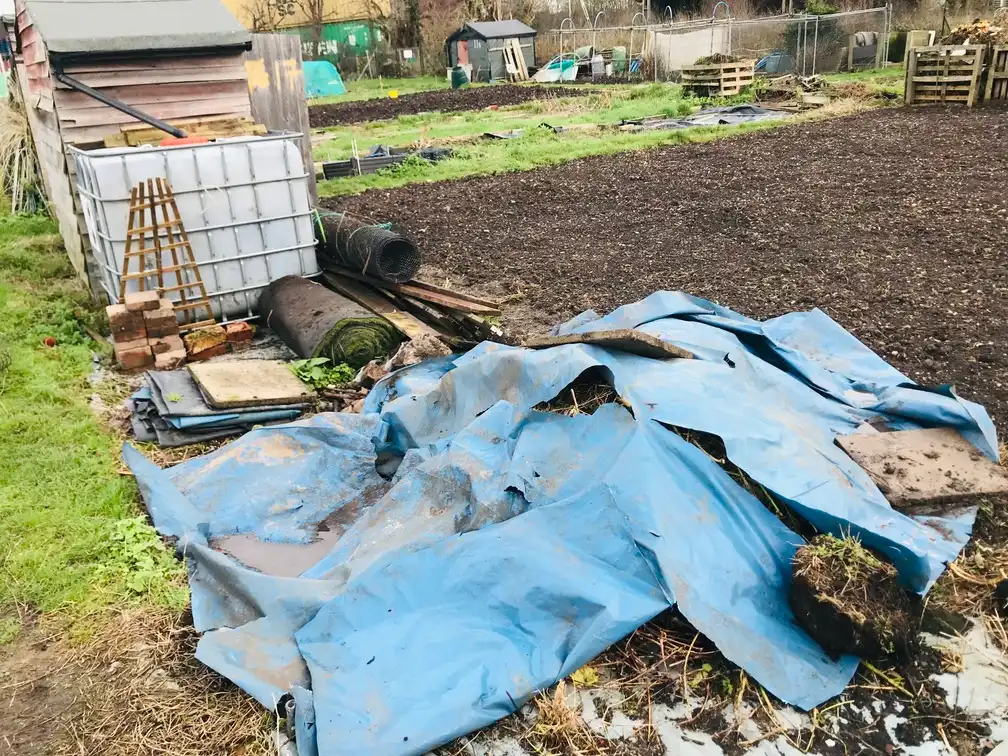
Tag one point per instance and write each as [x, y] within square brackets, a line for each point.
[850, 601]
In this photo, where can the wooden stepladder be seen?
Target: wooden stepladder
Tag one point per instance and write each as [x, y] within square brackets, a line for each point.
[167, 239]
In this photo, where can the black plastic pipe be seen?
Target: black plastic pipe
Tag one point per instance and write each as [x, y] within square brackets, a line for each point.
[119, 105]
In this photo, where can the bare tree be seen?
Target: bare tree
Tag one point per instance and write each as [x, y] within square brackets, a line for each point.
[267, 15]
[314, 10]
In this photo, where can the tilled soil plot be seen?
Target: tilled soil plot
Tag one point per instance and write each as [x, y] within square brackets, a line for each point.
[894, 222]
[442, 100]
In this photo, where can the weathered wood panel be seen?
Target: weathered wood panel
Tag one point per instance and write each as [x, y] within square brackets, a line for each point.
[55, 179]
[277, 88]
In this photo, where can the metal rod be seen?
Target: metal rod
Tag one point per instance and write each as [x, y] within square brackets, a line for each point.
[594, 29]
[815, 43]
[119, 105]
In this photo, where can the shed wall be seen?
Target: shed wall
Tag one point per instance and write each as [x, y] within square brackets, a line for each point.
[169, 88]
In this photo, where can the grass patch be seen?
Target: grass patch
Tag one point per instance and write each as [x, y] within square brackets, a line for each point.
[537, 149]
[888, 81]
[850, 601]
[71, 530]
[607, 106]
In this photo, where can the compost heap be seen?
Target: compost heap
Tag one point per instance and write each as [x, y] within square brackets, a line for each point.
[513, 545]
[977, 33]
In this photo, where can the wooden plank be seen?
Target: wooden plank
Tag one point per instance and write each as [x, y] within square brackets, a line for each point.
[276, 87]
[428, 293]
[154, 78]
[166, 111]
[410, 326]
[624, 340]
[143, 96]
[924, 467]
[183, 63]
[248, 383]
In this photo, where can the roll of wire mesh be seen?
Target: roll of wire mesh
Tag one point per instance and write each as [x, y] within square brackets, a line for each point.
[366, 248]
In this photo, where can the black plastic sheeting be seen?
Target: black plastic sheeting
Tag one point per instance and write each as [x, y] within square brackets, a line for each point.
[725, 116]
[380, 157]
[366, 248]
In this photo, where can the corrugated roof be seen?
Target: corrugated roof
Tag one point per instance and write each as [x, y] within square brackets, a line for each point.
[114, 26]
[500, 29]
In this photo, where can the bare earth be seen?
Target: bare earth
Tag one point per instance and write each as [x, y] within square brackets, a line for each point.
[895, 222]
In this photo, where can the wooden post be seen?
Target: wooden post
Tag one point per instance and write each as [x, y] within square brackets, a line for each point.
[278, 101]
[911, 72]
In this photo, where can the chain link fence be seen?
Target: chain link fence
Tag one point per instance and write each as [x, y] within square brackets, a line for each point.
[799, 44]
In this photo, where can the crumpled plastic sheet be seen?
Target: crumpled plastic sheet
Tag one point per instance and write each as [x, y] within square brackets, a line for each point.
[513, 545]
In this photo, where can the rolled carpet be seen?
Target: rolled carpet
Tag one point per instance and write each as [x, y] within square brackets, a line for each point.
[366, 248]
[317, 322]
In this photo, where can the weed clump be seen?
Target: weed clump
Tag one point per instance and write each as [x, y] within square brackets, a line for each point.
[850, 601]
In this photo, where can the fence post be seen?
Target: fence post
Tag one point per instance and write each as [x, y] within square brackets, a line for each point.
[815, 44]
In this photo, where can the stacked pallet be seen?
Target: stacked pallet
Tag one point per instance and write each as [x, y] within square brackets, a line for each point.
[944, 74]
[718, 79]
[997, 74]
[145, 332]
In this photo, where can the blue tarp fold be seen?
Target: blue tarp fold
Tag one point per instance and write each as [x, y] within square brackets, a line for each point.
[513, 545]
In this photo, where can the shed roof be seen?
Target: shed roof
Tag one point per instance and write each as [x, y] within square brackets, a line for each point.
[117, 26]
[500, 29]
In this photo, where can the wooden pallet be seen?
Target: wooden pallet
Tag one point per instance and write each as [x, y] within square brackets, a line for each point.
[944, 74]
[997, 74]
[718, 79]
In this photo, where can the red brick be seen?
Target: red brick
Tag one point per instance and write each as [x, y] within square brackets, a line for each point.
[125, 337]
[207, 352]
[239, 331]
[161, 323]
[240, 346]
[170, 360]
[171, 343]
[122, 320]
[134, 354]
[138, 301]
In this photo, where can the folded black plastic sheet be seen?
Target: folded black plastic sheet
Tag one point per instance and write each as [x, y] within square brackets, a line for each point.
[729, 115]
[186, 398]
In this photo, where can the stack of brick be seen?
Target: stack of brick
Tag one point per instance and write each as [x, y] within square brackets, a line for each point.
[145, 332]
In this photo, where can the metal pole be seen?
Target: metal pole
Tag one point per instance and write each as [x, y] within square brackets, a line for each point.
[119, 105]
[797, 47]
[815, 43]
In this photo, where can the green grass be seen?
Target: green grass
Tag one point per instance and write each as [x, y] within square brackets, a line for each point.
[539, 148]
[889, 80]
[609, 106]
[368, 89]
[71, 535]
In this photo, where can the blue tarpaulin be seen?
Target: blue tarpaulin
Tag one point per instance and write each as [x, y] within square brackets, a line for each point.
[322, 79]
[512, 545]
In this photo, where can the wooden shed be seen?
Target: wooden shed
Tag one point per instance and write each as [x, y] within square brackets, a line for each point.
[168, 59]
[480, 44]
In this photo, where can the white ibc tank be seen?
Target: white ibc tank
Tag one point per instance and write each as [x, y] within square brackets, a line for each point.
[244, 204]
